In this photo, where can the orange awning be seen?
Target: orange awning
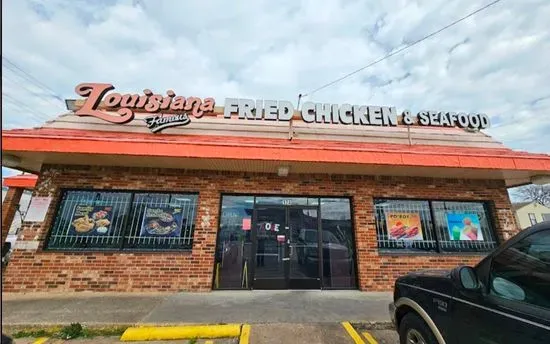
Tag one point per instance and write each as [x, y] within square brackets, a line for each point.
[249, 148]
[26, 181]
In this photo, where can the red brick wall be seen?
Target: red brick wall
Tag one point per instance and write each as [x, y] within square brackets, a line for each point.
[38, 270]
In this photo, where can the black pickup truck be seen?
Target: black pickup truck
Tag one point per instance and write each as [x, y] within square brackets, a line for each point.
[503, 299]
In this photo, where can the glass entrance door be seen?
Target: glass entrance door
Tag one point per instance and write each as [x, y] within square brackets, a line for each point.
[304, 253]
[287, 248]
[271, 268]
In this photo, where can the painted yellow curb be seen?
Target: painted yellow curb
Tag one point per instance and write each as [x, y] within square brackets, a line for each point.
[245, 334]
[40, 340]
[370, 338]
[352, 333]
[181, 332]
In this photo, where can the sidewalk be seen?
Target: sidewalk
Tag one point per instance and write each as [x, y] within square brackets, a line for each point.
[286, 306]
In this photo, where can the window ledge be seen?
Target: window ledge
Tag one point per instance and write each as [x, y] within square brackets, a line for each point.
[119, 252]
[435, 254]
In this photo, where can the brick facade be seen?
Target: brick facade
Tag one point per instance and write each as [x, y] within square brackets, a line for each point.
[38, 270]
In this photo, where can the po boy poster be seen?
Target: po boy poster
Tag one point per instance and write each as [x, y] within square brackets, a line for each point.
[464, 226]
[404, 226]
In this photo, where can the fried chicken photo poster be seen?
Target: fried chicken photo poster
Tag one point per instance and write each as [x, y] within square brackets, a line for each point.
[91, 220]
[464, 226]
[404, 226]
[162, 222]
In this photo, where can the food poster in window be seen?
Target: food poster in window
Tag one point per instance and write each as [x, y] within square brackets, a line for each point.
[464, 226]
[91, 220]
[404, 226]
[162, 222]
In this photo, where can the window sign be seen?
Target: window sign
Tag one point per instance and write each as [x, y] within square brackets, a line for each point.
[268, 226]
[38, 209]
[247, 223]
[464, 226]
[404, 226]
[91, 220]
[162, 221]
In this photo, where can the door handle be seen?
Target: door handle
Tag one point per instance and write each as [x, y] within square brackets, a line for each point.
[285, 259]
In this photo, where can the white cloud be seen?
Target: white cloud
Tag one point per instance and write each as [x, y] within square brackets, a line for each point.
[494, 62]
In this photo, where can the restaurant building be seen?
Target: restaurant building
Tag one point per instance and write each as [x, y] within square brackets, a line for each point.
[159, 192]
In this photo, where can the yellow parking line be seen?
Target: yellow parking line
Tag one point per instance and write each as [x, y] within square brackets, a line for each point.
[40, 340]
[209, 342]
[370, 338]
[245, 334]
[352, 333]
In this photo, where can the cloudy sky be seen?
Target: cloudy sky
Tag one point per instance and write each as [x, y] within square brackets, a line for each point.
[496, 62]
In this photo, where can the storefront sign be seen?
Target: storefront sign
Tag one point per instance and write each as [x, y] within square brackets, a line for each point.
[159, 122]
[171, 110]
[126, 104]
[464, 226]
[273, 110]
[91, 220]
[162, 221]
[38, 209]
[404, 226]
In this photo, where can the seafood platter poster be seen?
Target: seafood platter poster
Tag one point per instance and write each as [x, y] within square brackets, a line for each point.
[91, 220]
[162, 222]
[404, 226]
[464, 226]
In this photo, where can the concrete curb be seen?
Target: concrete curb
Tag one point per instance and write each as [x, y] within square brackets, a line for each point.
[373, 325]
[181, 332]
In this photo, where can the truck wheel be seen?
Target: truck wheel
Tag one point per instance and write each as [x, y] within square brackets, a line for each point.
[413, 330]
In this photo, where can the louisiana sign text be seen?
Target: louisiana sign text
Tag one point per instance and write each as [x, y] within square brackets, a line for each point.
[170, 110]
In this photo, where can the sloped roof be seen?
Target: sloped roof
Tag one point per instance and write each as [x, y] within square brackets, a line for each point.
[216, 125]
[519, 205]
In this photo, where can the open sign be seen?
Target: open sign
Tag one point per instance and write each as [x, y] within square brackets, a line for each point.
[269, 226]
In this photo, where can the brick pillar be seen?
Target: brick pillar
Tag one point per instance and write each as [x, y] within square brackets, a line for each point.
[9, 206]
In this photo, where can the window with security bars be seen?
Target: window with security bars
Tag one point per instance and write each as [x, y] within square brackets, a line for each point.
[423, 225]
[404, 224]
[463, 226]
[111, 220]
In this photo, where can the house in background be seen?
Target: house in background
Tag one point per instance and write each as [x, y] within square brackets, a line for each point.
[530, 213]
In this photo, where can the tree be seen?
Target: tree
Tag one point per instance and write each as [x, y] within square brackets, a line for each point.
[537, 193]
